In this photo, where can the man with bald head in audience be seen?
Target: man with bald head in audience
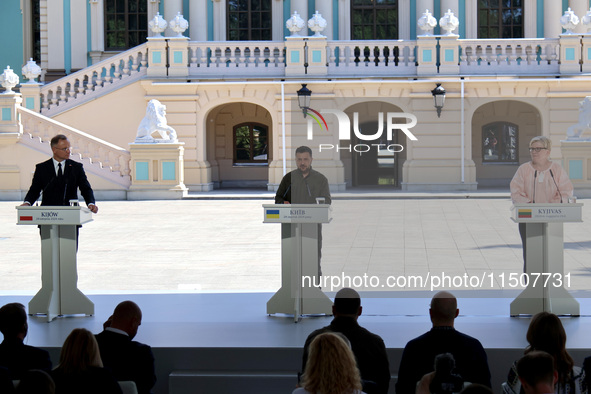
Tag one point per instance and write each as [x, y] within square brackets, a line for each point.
[127, 359]
[419, 354]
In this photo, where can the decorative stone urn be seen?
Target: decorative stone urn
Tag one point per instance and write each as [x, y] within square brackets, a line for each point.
[178, 25]
[8, 79]
[157, 25]
[295, 24]
[427, 23]
[317, 24]
[569, 21]
[449, 22]
[31, 71]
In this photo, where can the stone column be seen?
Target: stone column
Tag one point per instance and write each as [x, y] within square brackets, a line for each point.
[580, 8]
[198, 20]
[97, 30]
[570, 53]
[423, 5]
[31, 96]
[171, 8]
[449, 5]
[316, 53]
[552, 14]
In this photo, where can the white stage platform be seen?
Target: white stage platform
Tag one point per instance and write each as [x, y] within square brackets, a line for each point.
[226, 343]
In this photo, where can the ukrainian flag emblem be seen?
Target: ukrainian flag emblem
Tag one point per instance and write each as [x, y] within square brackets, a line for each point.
[524, 214]
[272, 214]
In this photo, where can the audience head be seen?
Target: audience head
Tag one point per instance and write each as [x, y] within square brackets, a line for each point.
[347, 303]
[476, 388]
[36, 381]
[127, 317]
[331, 366]
[546, 333]
[13, 321]
[537, 372]
[79, 352]
[444, 309]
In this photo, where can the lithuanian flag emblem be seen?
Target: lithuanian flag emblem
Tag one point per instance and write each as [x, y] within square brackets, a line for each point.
[524, 214]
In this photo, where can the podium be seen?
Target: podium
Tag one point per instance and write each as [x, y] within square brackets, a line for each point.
[545, 259]
[59, 294]
[299, 258]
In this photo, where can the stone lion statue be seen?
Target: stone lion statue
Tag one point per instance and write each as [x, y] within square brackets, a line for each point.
[155, 123]
[576, 131]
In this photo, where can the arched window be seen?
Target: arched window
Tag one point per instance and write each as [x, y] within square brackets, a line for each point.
[126, 24]
[499, 143]
[500, 18]
[249, 20]
[374, 20]
[250, 144]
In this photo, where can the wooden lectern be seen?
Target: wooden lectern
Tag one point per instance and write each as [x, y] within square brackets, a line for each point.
[59, 294]
[545, 259]
[299, 257]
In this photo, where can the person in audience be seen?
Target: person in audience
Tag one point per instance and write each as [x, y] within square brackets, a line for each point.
[6, 385]
[36, 381]
[15, 356]
[546, 333]
[128, 359]
[476, 388]
[331, 367]
[419, 354]
[80, 369]
[368, 348]
[537, 373]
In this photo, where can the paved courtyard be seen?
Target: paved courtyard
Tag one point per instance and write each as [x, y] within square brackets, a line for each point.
[221, 244]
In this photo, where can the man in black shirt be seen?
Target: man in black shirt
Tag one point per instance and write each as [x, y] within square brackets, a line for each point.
[368, 348]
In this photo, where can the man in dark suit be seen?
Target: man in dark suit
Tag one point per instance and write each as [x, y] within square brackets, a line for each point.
[15, 356]
[58, 179]
[419, 354]
[369, 349]
[127, 359]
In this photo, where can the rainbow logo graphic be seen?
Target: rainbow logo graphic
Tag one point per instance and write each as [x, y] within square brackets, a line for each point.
[316, 118]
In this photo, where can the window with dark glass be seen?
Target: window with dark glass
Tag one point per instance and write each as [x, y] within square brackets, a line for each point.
[36, 31]
[249, 20]
[374, 19]
[126, 24]
[250, 144]
[500, 18]
[499, 143]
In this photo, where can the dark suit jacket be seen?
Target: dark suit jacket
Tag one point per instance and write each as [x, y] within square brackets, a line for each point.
[129, 360]
[368, 348]
[56, 192]
[19, 358]
[92, 381]
[419, 355]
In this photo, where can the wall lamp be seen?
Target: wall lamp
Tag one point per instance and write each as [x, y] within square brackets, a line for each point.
[304, 96]
[439, 98]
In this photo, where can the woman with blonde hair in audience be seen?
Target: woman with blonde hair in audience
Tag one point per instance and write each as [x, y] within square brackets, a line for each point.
[331, 368]
[80, 369]
[546, 333]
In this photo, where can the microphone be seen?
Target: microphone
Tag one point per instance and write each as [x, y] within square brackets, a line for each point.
[47, 186]
[535, 175]
[64, 199]
[557, 189]
[287, 191]
[308, 187]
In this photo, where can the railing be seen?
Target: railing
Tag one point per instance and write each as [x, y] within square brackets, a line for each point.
[509, 56]
[367, 58]
[236, 58]
[108, 160]
[99, 78]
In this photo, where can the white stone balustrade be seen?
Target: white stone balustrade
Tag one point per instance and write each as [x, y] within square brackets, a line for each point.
[110, 161]
[523, 56]
[236, 58]
[98, 79]
[359, 58]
